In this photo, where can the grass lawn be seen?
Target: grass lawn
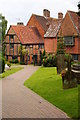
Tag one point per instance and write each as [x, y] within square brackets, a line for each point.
[9, 72]
[48, 84]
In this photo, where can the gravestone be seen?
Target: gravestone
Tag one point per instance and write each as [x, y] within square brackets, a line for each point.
[60, 63]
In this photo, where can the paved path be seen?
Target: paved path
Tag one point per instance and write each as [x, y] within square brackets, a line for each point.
[0, 99]
[20, 102]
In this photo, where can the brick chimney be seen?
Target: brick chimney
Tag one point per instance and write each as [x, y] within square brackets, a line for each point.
[78, 7]
[46, 13]
[60, 15]
[20, 23]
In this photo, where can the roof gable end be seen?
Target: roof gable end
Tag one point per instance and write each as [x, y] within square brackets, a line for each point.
[71, 17]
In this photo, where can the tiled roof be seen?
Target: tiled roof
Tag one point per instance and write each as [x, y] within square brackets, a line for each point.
[76, 20]
[53, 28]
[43, 21]
[28, 35]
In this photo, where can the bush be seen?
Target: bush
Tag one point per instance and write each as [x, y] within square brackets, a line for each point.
[49, 61]
[22, 63]
[2, 64]
[14, 61]
[42, 56]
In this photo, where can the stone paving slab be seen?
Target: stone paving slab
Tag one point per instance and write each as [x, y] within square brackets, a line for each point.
[20, 102]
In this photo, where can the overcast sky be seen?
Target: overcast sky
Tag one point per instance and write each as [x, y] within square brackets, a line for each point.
[21, 10]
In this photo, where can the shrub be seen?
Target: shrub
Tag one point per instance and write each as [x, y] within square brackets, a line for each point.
[22, 63]
[2, 64]
[14, 61]
[42, 56]
[49, 61]
[60, 45]
[68, 57]
[45, 62]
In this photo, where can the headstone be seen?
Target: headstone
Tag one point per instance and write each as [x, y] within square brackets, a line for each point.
[60, 63]
[7, 67]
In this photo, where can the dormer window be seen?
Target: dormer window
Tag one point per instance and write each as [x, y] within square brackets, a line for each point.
[69, 40]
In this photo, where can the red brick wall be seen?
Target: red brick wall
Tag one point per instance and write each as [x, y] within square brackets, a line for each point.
[34, 22]
[50, 45]
[79, 45]
[74, 49]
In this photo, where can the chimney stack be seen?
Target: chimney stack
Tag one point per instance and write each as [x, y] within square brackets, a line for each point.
[60, 15]
[79, 7]
[46, 13]
[20, 23]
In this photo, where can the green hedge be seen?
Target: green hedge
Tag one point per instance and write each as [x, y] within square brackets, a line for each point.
[49, 61]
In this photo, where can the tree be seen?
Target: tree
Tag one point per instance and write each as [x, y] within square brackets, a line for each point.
[3, 28]
[60, 45]
[60, 54]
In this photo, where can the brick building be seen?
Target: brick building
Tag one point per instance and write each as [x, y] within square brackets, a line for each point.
[42, 32]
[29, 37]
[50, 37]
[70, 30]
[40, 22]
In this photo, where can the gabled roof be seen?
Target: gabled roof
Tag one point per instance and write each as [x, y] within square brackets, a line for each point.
[28, 35]
[75, 20]
[53, 28]
[42, 21]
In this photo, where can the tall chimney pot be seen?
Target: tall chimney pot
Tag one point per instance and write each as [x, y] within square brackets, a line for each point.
[20, 23]
[46, 13]
[60, 15]
[79, 6]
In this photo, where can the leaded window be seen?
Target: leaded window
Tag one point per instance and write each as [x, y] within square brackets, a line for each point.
[69, 40]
